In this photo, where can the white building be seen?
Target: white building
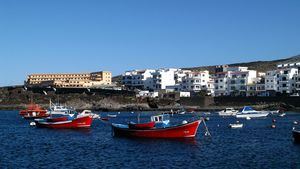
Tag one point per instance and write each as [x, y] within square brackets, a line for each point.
[297, 79]
[195, 81]
[162, 78]
[138, 79]
[283, 79]
[146, 93]
[286, 82]
[180, 74]
[234, 81]
[271, 81]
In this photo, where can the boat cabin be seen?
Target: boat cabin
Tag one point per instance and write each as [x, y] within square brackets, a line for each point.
[163, 119]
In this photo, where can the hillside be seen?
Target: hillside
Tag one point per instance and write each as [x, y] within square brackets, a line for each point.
[261, 66]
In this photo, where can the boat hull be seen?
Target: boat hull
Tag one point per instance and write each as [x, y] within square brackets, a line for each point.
[182, 131]
[296, 135]
[227, 114]
[82, 122]
[245, 115]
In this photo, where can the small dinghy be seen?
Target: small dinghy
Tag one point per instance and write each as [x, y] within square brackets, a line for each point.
[237, 125]
[112, 115]
[281, 114]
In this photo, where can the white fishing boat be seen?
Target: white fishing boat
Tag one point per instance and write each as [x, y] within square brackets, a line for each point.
[281, 114]
[57, 109]
[237, 125]
[249, 112]
[182, 112]
[112, 115]
[275, 111]
[228, 112]
[89, 112]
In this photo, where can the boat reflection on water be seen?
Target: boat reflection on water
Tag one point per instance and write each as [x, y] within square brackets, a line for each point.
[146, 141]
[85, 131]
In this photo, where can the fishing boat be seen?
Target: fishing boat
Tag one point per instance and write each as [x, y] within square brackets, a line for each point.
[57, 109]
[250, 112]
[228, 112]
[112, 115]
[296, 135]
[82, 120]
[275, 111]
[281, 114]
[33, 111]
[186, 130]
[237, 125]
[181, 112]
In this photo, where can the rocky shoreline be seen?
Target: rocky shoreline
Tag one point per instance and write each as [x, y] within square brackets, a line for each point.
[16, 98]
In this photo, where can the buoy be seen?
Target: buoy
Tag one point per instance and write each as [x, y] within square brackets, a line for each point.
[248, 118]
[206, 119]
[295, 122]
[119, 112]
[132, 112]
[274, 120]
[184, 122]
[32, 124]
[218, 125]
[273, 126]
[237, 121]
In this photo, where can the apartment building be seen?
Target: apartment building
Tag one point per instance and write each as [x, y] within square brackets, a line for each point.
[162, 78]
[234, 81]
[70, 80]
[138, 79]
[195, 81]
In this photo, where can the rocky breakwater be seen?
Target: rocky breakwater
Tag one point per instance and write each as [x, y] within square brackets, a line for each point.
[15, 98]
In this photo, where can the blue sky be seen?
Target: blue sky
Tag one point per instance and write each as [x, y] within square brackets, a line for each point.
[117, 35]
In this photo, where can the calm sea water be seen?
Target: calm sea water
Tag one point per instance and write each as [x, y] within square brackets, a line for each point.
[254, 146]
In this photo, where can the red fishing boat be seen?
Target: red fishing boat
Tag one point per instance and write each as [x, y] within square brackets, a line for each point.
[81, 120]
[181, 131]
[148, 125]
[33, 111]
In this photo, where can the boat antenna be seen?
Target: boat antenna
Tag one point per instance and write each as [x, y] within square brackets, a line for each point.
[139, 118]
